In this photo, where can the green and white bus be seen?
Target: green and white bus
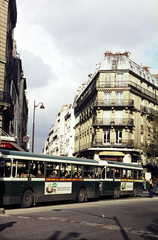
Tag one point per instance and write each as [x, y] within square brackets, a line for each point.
[28, 178]
[120, 179]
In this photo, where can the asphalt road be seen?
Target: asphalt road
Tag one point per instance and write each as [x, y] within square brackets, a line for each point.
[125, 218]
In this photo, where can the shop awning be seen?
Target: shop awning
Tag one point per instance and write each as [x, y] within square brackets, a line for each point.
[111, 153]
[17, 147]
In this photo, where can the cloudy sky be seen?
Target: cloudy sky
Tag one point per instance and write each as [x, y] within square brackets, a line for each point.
[61, 41]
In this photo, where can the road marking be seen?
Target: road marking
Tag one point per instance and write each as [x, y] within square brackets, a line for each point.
[3, 215]
[104, 226]
[109, 227]
[43, 218]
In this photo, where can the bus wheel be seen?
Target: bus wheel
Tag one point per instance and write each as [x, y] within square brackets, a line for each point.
[135, 193]
[116, 193]
[27, 199]
[81, 196]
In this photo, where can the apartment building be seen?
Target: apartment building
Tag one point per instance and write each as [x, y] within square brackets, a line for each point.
[13, 102]
[60, 141]
[113, 110]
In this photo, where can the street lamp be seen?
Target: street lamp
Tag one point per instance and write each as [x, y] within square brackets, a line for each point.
[33, 129]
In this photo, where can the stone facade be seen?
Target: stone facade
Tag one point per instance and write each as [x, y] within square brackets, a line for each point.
[13, 102]
[61, 136]
[113, 108]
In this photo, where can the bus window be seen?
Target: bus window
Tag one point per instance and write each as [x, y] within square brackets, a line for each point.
[109, 172]
[140, 175]
[100, 172]
[5, 168]
[65, 170]
[52, 170]
[124, 175]
[129, 173]
[132, 173]
[121, 173]
[20, 168]
[76, 171]
[88, 171]
[135, 174]
[37, 169]
[117, 173]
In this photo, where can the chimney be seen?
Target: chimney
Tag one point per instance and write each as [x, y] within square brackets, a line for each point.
[90, 75]
[127, 54]
[107, 53]
[147, 68]
[155, 75]
[98, 65]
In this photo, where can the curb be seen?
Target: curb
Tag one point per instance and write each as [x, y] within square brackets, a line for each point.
[2, 210]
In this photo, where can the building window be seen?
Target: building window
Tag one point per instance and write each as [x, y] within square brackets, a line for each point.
[106, 117]
[118, 117]
[114, 64]
[119, 80]
[119, 98]
[107, 98]
[118, 136]
[106, 136]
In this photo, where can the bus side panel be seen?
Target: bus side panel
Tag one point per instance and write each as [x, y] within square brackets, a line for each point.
[91, 187]
[139, 186]
[107, 187]
[10, 192]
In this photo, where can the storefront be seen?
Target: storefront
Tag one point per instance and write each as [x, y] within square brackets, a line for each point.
[111, 156]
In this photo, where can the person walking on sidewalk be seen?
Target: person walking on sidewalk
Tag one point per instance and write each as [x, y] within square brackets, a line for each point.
[151, 189]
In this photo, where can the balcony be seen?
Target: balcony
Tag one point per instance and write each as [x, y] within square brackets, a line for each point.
[6, 104]
[114, 103]
[5, 97]
[113, 143]
[113, 122]
[86, 94]
[148, 110]
[127, 84]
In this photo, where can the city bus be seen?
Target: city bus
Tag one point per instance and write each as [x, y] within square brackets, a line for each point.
[29, 178]
[119, 178]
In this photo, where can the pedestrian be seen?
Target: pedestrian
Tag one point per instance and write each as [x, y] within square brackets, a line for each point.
[148, 185]
[151, 189]
[144, 184]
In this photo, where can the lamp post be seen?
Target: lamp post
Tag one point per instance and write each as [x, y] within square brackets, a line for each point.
[33, 129]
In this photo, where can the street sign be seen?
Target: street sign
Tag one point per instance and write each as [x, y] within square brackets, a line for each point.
[25, 139]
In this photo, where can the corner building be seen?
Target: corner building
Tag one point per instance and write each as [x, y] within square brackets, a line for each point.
[113, 109]
[13, 98]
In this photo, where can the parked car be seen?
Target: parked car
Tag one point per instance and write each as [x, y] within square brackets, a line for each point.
[155, 189]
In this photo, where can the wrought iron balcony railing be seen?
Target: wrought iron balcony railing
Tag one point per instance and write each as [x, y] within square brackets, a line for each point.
[148, 110]
[112, 143]
[130, 84]
[5, 97]
[115, 102]
[113, 121]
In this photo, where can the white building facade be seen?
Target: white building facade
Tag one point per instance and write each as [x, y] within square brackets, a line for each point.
[60, 141]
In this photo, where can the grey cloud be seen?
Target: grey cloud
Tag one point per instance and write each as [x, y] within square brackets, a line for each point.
[75, 24]
[37, 73]
[78, 28]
